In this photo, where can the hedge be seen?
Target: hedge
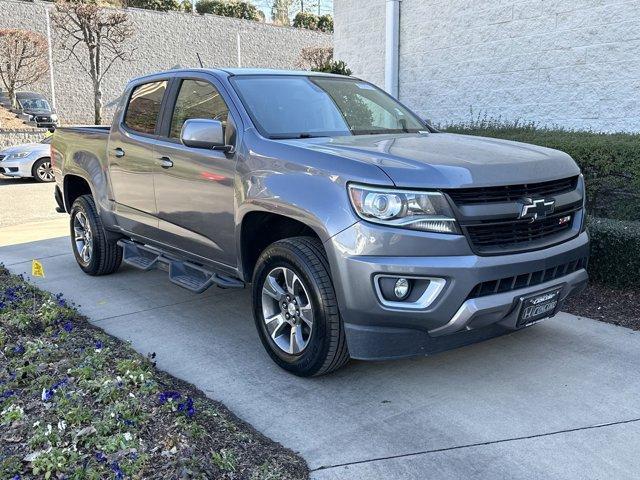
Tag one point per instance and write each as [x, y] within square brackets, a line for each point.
[610, 162]
[235, 9]
[615, 252]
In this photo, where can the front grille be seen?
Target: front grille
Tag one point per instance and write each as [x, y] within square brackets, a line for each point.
[42, 119]
[525, 280]
[513, 233]
[509, 193]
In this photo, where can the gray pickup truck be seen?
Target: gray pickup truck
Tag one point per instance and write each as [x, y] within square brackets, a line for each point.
[363, 232]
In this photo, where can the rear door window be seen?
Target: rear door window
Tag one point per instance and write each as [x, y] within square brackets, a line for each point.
[144, 107]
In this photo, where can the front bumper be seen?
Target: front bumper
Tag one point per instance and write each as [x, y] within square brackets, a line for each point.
[17, 168]
[376, 331]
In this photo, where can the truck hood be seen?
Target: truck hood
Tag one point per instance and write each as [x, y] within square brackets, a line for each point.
[443, 160]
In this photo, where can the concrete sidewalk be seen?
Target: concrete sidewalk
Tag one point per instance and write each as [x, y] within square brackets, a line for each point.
[558, 400]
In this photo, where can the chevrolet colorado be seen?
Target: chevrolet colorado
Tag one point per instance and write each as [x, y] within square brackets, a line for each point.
[363, 232]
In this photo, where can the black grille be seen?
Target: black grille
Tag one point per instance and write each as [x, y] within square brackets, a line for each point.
[525, 280]
[43, 119]
[512, 233]
[508, 193]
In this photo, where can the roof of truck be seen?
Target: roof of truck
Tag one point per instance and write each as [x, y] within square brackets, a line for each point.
[233, 72]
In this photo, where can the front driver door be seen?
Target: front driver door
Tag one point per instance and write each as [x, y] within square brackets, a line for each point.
[195, 187]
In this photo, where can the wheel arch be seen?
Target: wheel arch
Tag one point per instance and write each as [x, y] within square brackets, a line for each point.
[259, 229]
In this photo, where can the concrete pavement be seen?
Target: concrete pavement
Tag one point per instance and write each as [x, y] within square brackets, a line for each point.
[27, 212]
[558, 400]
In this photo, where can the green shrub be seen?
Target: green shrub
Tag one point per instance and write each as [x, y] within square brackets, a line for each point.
[615, 252]
[312, 21]
[609, 161]
[235, 9]
[159, 5]
[334, 66]
[325, 23]
[306, 20]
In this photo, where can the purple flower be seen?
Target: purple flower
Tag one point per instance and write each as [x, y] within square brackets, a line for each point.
[48, 393]
[164, 397]
[60, 301]
[68, 327]
[18, 349]
[116, 468]
[187, 407]
[101, 457]
[98, 344]
[7, 394]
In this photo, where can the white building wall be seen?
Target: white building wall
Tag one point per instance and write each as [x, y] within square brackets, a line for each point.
[572, 63]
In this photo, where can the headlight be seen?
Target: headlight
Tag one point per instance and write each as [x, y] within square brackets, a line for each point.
[17, 155]
[54, 117]
[425, 211]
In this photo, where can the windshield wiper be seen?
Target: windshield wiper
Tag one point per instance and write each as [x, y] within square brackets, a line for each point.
[296, 136]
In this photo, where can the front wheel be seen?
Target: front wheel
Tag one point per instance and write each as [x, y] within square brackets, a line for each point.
[42, 170]
[295, 308]
[94, 252]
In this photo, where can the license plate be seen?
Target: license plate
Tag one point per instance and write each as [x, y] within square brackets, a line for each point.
[538, 306]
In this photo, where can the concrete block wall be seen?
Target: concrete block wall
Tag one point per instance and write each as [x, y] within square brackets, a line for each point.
[10, 138]
[571, 63]
[163, 41]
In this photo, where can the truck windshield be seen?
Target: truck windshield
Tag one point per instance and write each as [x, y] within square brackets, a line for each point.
[314, 106]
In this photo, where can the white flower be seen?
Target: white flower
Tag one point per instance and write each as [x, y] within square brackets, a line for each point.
[127, 436]
[36, 424]
[12, 408]
[62, 425]
[49, 430]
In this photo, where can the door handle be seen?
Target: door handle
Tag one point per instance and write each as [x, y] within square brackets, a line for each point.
[165, 162]
[118, 152]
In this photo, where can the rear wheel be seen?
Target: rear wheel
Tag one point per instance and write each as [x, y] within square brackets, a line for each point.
[42, 170]
[94, 252]
[295, 308]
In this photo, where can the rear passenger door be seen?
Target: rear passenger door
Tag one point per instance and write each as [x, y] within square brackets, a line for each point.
[195, 195]
[132, 160]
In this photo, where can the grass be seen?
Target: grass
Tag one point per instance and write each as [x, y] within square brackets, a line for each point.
[76, 403]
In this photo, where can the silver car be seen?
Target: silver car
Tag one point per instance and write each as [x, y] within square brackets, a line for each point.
[28, 160]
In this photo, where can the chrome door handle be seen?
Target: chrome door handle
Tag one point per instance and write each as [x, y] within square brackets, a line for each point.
[118, 152]
[165, 162]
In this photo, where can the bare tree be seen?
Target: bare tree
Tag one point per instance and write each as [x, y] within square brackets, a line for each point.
[95, 36]
[23, 59]
[315, 58]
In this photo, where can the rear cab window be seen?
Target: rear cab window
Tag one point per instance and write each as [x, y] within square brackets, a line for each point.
[143, 108]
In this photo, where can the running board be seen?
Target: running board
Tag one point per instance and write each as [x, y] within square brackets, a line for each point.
[184, 274]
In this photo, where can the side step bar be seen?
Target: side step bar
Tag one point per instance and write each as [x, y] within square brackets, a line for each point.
[184, 274]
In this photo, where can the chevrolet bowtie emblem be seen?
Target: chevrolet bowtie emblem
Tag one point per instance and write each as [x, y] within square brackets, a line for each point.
[534, 209]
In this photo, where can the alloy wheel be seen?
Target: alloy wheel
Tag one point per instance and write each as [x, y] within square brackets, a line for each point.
[45, 172]
[287, 310]
[83, 236]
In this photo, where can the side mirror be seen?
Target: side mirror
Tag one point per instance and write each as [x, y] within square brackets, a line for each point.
[203, 133]
[428, 121]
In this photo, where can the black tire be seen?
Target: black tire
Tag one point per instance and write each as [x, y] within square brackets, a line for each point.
[327, 348]
[46, 162]
[106, 255]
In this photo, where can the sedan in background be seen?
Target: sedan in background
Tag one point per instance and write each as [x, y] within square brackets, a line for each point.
[29, 160]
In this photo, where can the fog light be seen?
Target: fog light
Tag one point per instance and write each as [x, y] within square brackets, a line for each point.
[401, 288]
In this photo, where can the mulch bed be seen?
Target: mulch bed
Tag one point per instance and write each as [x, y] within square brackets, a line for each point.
[77, 403]
[620, 307]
